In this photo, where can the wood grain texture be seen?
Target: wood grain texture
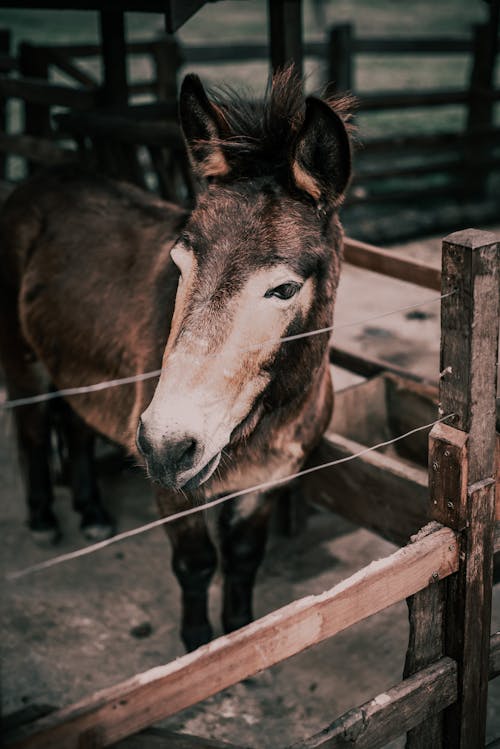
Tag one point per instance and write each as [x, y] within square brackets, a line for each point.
[448, 476]
[392, 713]
[469, 351]
[425, 647]
[126, 708]
[469, 342]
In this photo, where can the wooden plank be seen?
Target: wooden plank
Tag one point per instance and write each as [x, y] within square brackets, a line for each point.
[497, 489]
[39, 91]
[146, 698]
[373, 258]
[378, 492]
[469, 343]
[448, 476]
[391, 713]
[369, 366]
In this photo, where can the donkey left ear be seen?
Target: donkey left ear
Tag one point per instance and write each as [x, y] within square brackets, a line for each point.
[321, 158]
[203, 125]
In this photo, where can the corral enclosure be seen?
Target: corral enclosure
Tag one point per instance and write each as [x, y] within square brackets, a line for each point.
[116, 624]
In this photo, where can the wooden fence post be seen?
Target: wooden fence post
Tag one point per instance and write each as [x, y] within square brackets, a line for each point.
[114, 59]
[285, 33]
[33, 63]
[340, 58]
[462, 468]
[167, 59]
[4, 50]
[481, 104]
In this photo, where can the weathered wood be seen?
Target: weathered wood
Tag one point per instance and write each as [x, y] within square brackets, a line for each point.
[448, 476]
[469, 340]
[368, 366]
[373, 258]
[425, 646]
[127, 707]
[391, 713]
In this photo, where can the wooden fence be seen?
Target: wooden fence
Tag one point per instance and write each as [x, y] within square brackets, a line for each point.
[445, 573]
[399, 168]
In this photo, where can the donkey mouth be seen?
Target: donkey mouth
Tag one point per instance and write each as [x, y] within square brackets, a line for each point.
[203, 475]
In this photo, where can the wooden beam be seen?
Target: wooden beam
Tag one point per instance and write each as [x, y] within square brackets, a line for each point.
[367, 256]
[391, 713]
[124, 709]
[378, 492]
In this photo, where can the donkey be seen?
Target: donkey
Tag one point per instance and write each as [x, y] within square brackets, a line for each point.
[101, 280]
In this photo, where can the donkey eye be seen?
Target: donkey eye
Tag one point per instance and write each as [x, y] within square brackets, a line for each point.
[284, 290]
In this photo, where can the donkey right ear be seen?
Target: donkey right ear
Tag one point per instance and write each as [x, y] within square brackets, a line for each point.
[203, 126]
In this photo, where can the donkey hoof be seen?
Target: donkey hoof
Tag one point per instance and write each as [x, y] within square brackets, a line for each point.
[97, 525]
[195, 637]
[45, 533]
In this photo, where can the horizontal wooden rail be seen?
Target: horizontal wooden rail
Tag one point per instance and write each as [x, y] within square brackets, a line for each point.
[373, 258]
[391, 713]
[38, 91]
[413, 99]
[146, 698]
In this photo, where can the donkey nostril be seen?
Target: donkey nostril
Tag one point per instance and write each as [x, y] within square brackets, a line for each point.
[182, 454]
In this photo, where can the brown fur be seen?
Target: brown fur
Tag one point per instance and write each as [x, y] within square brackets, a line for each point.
[88, 293]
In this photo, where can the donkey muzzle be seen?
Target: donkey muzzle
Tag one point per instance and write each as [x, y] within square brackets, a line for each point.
[175, 461]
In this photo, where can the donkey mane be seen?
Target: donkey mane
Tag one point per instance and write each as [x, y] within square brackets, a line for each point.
[257, 135]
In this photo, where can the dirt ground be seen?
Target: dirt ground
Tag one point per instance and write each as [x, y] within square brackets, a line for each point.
[95, 621]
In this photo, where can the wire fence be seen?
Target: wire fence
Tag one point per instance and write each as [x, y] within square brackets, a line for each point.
[98, 386]
[262, 487]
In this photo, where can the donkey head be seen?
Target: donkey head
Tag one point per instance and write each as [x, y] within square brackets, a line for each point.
[258, 260]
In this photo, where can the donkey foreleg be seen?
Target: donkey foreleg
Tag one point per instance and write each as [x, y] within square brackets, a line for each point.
[96, 523]
[243, 531]
[194, 561]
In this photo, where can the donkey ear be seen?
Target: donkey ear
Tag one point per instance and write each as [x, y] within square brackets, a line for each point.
[321, 159]
[202, 124]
